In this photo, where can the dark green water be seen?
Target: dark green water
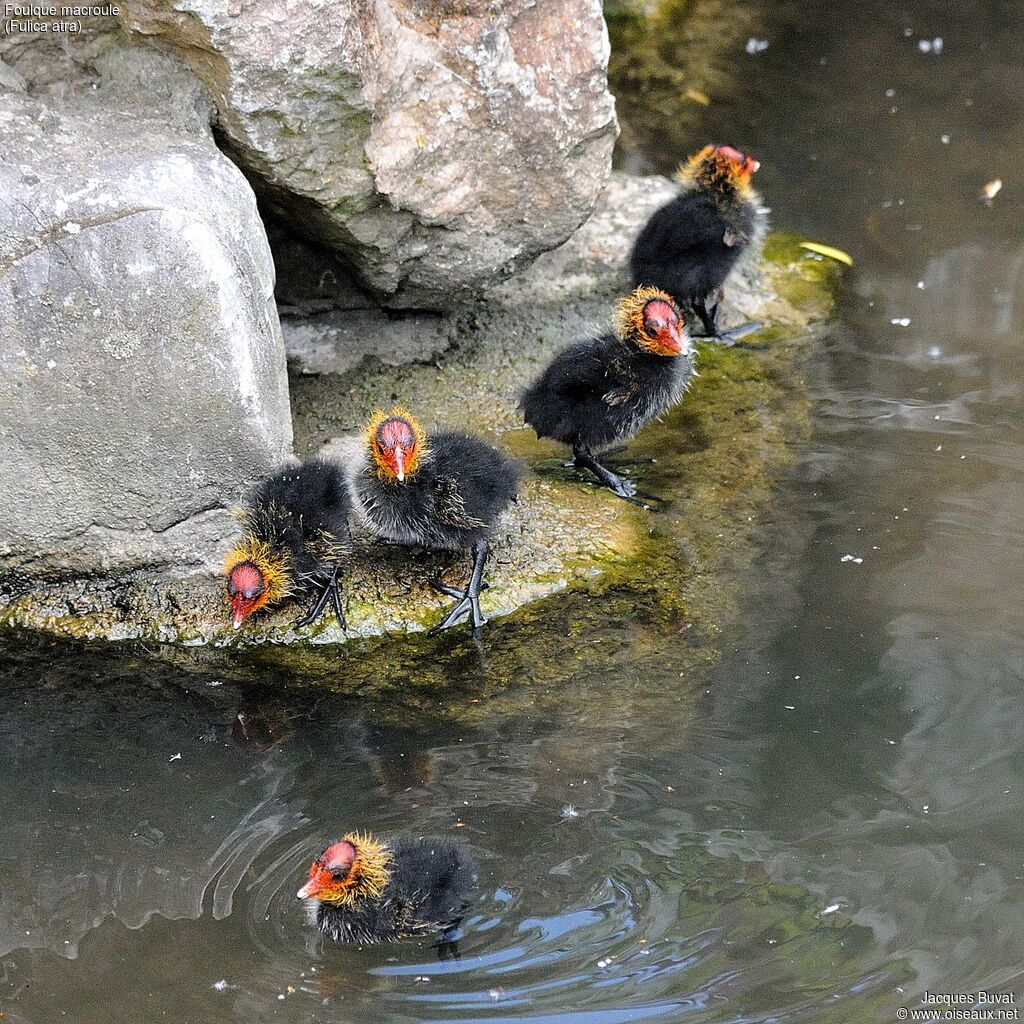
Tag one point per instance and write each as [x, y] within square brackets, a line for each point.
[859, 746]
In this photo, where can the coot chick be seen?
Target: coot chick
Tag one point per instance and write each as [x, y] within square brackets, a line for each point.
[604, 389]
[444, 495]
[690, 246]
[370, 891]
[296, 535]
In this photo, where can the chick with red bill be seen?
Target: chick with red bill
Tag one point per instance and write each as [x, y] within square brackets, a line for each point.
[367, 890]
[296, 535]
[603, 390]
[691, 246]
[442, 493]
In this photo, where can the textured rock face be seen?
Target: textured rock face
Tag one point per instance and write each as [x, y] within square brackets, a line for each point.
[142, 372]
[435, 144]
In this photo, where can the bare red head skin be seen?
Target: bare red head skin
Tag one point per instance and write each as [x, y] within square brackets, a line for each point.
[328, 873]
[246, 586]
[396, 447]
[663, 326]
[745, 164]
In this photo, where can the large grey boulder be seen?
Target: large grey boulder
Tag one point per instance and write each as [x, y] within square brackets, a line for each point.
[435, 145]
[142, 371]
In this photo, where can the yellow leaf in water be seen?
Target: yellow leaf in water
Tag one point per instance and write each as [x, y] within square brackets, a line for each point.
[698, 97]
[829, 251]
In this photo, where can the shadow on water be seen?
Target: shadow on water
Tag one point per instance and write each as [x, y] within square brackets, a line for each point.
[814, 821]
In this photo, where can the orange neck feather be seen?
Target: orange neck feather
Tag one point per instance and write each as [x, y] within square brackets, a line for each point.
[367, 877]
[382, 459]
[274, 568]
[629, 319]
[712, 170]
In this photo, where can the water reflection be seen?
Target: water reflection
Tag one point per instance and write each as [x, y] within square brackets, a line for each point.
[616, 911]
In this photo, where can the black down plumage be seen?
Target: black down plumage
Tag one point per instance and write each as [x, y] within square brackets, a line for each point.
[689, 247]
[602, 390]
[303, 512]
[429, 890]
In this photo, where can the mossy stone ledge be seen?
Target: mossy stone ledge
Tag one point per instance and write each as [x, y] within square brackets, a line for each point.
[714, 459]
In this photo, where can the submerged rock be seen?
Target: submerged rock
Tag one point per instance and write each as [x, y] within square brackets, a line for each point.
[142, 372]
[433, 144]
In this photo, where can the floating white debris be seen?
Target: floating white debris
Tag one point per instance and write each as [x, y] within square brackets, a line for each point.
[569, 812]
[756, 45]
[920, 284]
[789, 707]
[174, 757]
[851, 558]
[935, 351]
[831, 909]
[938, 447]
[944, 139]
[222, 985]
[930, 45]
[900, 321]
[991, 189]
[605, 962]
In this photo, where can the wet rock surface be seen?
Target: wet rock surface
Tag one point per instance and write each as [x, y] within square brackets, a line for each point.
[434, 145]
[715, 457]
[142, 373]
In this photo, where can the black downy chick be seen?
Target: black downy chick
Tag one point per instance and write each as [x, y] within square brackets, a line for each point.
[296, 535]
[370, 891]
[604, 389]
[443, 494]
[691, 245]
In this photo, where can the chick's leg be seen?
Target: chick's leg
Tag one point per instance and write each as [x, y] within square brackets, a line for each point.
[468, 602]
[584, 458]
[330, 592]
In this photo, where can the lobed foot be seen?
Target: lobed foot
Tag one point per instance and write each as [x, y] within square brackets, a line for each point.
[331, 592]
[467, 605]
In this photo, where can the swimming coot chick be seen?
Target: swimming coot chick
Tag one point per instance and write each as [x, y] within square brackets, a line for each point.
[371, 891]
[690, 246]
[444, 494]
[296, 535]
[604, 389]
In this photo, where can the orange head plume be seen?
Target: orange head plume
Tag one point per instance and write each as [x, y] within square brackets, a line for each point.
[397, 444]
[722, 169]
[357, 867]
[649, 319]
[255, 577]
